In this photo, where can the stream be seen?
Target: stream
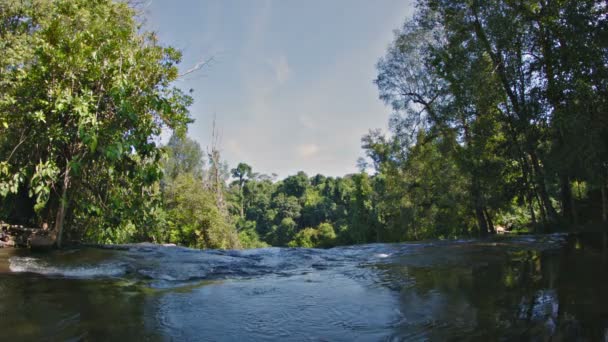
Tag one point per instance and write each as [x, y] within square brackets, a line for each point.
[545, 287]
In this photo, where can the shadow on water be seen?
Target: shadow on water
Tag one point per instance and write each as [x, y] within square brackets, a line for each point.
[47, 307]
[479, 292]
[518, 288]
[39, 308]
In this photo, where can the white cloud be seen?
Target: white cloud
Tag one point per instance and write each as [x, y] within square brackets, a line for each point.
[307, 150]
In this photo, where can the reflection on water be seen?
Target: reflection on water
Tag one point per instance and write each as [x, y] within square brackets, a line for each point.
[522, 288]
[480, 291]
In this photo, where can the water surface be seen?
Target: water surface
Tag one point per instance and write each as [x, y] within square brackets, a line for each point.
[551, 287]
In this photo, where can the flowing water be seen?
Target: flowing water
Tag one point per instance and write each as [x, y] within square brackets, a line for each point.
[551, 287]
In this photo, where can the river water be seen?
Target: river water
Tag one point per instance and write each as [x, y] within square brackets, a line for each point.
[551, 287]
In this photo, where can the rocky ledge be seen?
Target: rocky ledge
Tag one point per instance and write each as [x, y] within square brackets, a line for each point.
[20, 236]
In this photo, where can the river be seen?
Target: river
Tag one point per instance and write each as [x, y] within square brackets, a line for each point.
[514, 288]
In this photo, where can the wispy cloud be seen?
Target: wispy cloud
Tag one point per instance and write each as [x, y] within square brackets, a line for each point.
[307, 150]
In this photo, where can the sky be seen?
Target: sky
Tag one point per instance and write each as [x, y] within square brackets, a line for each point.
[290, 83]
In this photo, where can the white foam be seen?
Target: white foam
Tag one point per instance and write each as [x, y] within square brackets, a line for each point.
[34, 265]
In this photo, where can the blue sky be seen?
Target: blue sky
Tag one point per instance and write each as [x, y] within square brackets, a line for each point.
[291, 81]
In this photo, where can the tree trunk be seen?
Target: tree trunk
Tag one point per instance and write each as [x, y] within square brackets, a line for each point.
[542, 190]
[541, 207]
[63, 206]
[554, 95]
[569, 206]
[478, 204]
[242, 202]
[604, 205]
[531, 208]
[518, 107]
[482, 223]
[528, 191]
[605, 246]
[481, 219]
[489, 220]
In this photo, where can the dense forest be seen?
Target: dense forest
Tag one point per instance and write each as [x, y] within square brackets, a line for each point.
[499, 119]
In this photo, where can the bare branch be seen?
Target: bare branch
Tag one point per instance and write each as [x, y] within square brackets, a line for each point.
[198, 66]
[21, 141]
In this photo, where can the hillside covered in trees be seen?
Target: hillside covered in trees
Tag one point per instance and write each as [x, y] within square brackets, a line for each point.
[499, 119]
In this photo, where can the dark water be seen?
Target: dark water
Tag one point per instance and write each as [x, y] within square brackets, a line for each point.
[552, 287]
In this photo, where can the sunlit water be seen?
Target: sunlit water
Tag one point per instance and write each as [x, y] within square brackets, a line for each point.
[552, 287]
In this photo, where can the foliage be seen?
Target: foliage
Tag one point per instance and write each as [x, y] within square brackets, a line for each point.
[322, 236]
[193, 218]
[485, 96]
[83, 94]
[184, 155]
[192, 215]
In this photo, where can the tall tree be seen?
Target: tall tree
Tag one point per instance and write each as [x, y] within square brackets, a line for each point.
[184, 155]
[241, 173]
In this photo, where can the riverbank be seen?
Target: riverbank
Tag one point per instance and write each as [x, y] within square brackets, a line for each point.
[17, 236]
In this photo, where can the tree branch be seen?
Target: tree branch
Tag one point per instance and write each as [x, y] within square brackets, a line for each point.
[22, 140]
[197, 67]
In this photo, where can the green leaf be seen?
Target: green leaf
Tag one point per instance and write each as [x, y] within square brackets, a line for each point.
[39, 115]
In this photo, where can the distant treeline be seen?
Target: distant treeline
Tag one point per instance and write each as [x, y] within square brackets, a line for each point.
[499, 119]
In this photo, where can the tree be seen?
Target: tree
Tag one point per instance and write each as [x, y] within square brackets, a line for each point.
[193, 217]
[363, 224]
[217, 174]
[242, 173]
[184, 155]
[295, 185]
[84, 94]
[306, 238]
[287, 206]
[322, 236]
[503, 90]
[284, 232]
[326, 235]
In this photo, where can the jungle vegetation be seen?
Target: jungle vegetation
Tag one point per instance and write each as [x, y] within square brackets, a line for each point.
[499, 120]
